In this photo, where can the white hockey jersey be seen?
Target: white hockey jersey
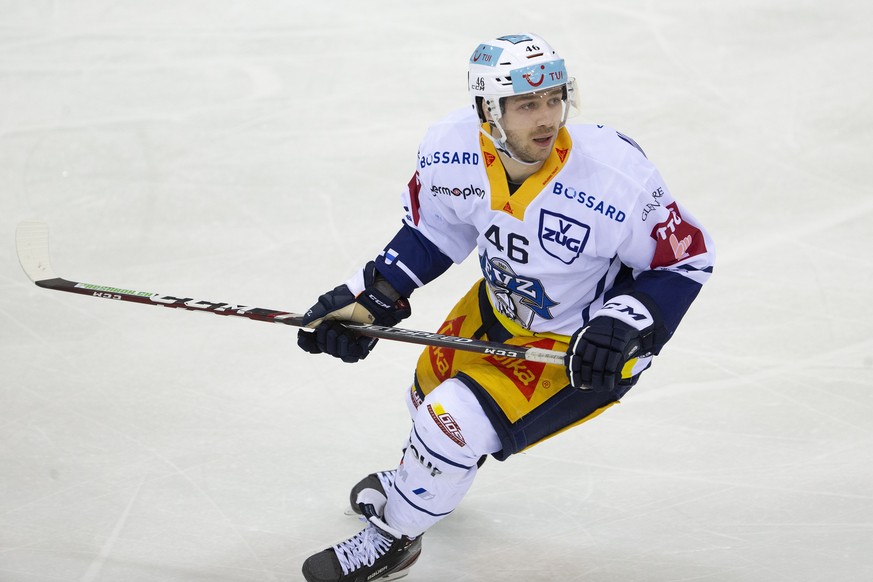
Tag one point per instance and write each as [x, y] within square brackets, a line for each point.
[596, 215]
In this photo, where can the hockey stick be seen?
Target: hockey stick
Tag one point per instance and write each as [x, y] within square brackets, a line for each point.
[32, 243]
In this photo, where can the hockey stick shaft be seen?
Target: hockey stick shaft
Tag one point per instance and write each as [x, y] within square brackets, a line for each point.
[32, 243]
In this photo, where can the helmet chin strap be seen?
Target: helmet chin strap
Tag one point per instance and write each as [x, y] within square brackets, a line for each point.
[502, 146]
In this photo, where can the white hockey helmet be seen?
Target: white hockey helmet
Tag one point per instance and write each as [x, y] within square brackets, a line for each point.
[516, 64]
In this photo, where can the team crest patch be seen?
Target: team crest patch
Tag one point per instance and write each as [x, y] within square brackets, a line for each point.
[676, 239]
[562, 237]
[515, 296]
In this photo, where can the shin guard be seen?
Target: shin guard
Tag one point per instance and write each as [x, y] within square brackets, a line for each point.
[450, 434]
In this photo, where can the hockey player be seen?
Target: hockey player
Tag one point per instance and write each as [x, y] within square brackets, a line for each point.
[582, 248]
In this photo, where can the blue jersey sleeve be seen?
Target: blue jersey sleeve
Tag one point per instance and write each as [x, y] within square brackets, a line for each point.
[671, 293]
[410, 261]
[666, 294]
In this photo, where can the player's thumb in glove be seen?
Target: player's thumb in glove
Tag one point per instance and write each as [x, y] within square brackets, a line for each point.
[620, 331]
[366, 298]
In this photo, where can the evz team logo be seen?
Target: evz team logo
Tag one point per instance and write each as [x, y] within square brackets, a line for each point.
[514, 296]
[562, 237]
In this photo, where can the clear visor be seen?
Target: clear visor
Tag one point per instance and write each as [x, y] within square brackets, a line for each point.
[570, 97]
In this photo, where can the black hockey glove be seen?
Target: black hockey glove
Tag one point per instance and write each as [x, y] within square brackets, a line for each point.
[378, 303]
[599, 351]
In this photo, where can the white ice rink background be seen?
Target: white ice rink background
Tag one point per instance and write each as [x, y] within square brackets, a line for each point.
[255, 152]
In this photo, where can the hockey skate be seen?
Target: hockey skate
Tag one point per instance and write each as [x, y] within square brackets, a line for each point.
[376, 553]
[378, 482]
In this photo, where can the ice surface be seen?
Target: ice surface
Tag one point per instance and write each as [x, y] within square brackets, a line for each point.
[254, 152]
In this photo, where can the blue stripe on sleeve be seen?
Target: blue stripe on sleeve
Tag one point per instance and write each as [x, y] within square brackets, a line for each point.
[410, 260]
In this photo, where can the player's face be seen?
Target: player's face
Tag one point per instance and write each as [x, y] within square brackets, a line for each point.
[531, 123]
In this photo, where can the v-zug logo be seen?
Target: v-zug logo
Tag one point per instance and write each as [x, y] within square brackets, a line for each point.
[562, 237]
[464, 192]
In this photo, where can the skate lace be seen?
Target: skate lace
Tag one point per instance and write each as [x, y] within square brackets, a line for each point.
[362, 549]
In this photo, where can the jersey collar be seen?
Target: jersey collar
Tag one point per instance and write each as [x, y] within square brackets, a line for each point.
[516, 204]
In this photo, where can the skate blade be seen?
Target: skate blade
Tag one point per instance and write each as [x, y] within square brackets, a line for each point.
[394, 576]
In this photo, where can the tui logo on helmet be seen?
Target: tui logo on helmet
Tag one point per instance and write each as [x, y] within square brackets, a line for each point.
[528, 76]
[538, 77]
[486, 55]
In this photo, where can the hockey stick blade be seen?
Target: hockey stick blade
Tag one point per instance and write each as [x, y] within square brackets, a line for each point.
[32, 243]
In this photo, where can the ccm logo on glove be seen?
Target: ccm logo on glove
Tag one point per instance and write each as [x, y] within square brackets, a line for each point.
[618, 332]
[365, 298]
[629, 310]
